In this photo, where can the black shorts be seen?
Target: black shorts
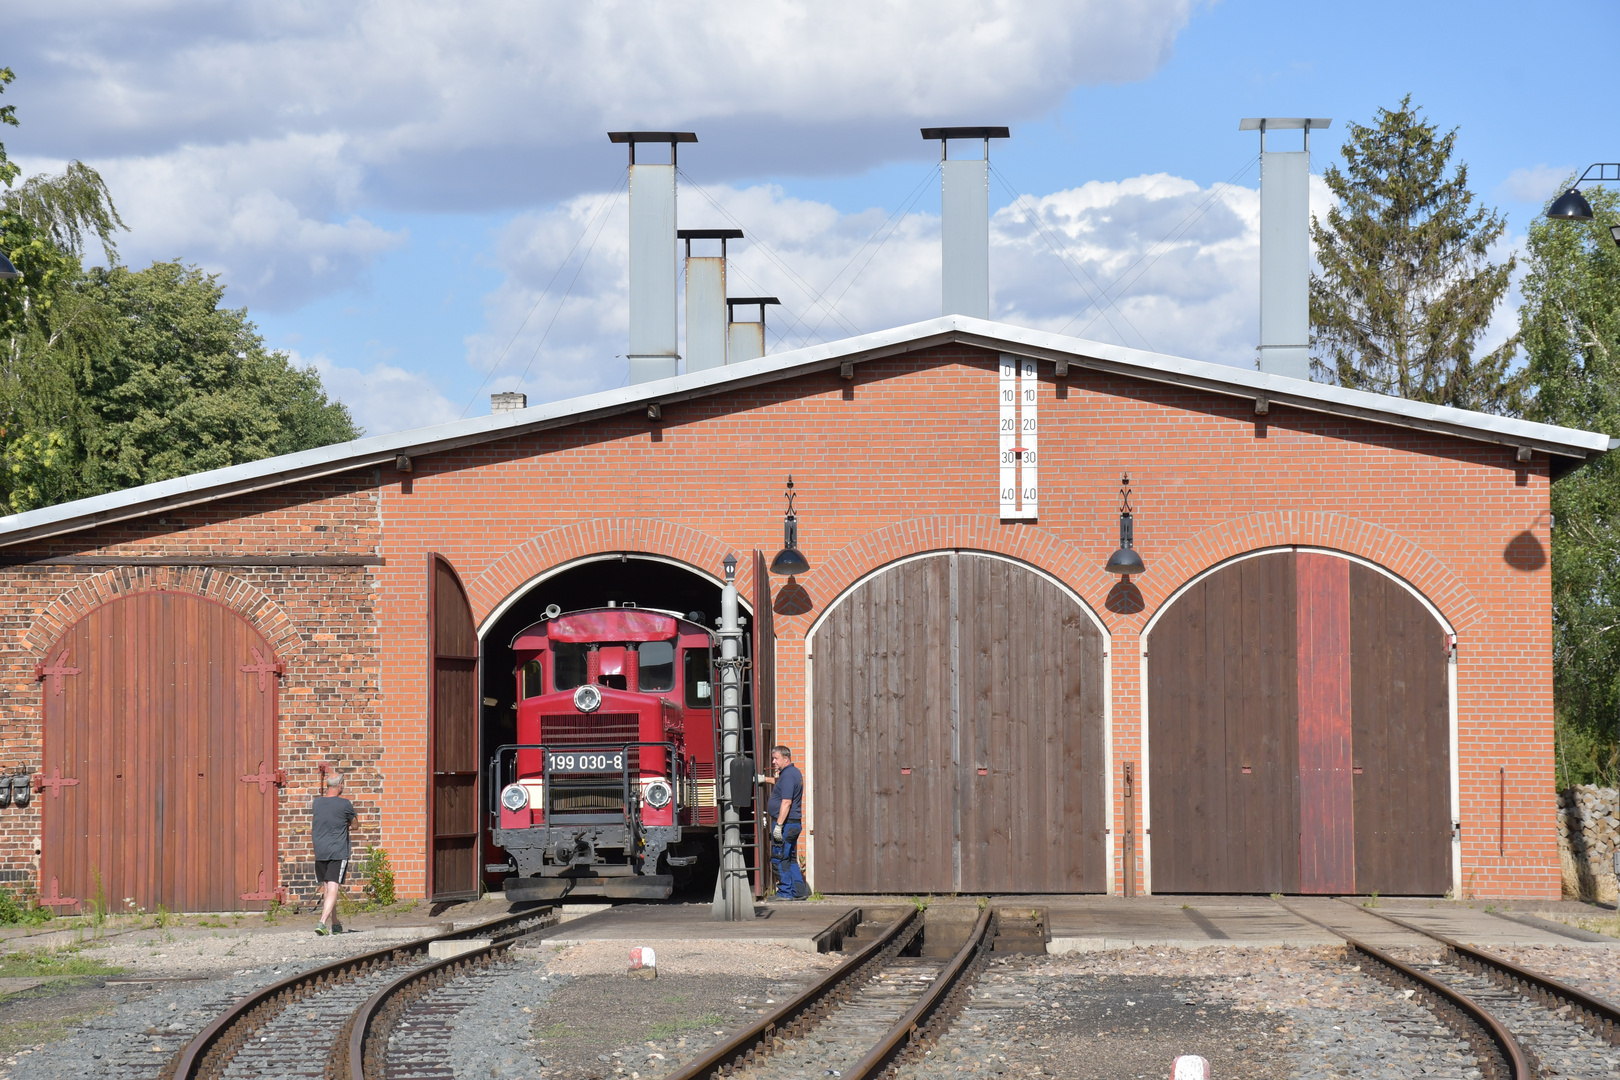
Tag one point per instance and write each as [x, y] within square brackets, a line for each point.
[331, 870]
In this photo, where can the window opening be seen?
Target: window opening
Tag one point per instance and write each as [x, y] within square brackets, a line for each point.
[657, 665]
[532, 684]
[699, 692]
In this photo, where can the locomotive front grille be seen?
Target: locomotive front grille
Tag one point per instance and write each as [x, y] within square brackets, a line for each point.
[577, 796]
[590, 729]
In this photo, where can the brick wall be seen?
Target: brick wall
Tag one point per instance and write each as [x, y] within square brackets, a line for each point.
[902, 460]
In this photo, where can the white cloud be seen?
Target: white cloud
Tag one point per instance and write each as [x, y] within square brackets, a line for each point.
[1536, 185]
[249, 136]
[383, 398]
[1165, 264]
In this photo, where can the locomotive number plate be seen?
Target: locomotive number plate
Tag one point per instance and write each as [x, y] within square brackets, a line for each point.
[602, 761]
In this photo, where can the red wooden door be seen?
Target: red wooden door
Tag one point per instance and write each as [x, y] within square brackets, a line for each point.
[159, 759]
[452, 737]
[763, 700]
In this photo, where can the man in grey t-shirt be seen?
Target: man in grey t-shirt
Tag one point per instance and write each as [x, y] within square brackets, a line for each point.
[329, 829]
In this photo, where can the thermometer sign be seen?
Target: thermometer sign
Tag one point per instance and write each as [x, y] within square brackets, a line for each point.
[1018, 439]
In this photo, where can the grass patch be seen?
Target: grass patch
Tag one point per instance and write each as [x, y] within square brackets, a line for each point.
[669, 1029]
[22, 1034]
[557, 1031]
[24, 965]
[1608, 925]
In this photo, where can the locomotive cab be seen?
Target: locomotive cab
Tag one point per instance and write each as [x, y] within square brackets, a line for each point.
[609, 789]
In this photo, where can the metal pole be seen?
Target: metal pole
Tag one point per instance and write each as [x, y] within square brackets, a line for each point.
[733, 899]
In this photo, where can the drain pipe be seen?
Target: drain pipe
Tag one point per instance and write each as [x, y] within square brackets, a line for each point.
[733, 899]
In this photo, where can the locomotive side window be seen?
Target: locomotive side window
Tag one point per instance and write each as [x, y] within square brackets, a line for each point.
[698, 691]
[531, 679]
[657, 665]
[568, 664]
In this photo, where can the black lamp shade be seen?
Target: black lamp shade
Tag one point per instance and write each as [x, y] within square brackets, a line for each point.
[1570, 206]
[1125, 561]
[1614, 231]
[790, 561]
[7, 271]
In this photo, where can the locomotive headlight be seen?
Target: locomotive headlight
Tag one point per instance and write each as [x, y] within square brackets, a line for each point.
[515, 797]
[658, 794]
[588, 698]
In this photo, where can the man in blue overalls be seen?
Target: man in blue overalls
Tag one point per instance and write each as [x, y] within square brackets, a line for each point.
[786, 809]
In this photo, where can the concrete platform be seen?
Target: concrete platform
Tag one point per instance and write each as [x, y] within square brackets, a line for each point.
[807, 927]
[1092, 923]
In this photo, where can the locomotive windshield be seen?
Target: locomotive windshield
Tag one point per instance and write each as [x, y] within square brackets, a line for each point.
[657, 665]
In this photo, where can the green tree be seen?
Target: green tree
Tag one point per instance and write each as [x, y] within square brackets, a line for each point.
[1570, 327]
[8, 116]
[1406, 287]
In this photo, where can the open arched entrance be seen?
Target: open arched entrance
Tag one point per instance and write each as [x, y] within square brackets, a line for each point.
[959, 714]
[1300, 734]
[615, 578]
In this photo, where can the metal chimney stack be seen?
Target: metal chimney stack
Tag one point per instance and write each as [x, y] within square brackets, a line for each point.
[1285, 248]
[965, 222]
[652, 351]
[706, 310]
[746, 340]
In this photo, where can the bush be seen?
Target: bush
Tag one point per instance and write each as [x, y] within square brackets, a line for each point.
[14, 911]
[379, 874]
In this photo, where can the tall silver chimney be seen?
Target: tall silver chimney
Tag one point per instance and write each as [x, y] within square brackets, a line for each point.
[1285, 248]
[706, 299]
[652, 351]
[965, 222]
[746, 340]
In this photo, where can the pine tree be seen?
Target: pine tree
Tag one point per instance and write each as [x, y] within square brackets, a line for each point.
[1406, 288]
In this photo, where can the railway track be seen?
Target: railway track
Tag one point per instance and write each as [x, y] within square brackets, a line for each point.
[300, 1026]
[1521, 1024]
[875, 1010]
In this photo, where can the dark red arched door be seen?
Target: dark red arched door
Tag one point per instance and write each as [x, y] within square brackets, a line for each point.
[452, 737]
[1299, 733]
[160, 783]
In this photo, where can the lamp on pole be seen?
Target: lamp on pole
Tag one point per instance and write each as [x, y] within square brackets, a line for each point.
[1572, 205]
[733, 899]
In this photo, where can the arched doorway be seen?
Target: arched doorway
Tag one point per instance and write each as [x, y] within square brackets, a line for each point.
[159, 758]
[1299, 731]
[648, 581]
[958, 704]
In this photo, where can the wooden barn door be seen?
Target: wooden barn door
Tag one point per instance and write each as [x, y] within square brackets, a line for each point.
[160, 780]
[762, 697]
[1298, 733]
[958, 714]
[452, 737]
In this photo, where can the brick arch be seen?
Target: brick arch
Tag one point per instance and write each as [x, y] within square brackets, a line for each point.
[211, 583]
[1079, 570]
[1309, 528]
[596, 536]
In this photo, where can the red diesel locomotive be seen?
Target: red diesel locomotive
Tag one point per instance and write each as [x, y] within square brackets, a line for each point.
[610, 788]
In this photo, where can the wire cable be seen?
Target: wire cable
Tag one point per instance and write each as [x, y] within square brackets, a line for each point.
[609, 198]
[1040, 227]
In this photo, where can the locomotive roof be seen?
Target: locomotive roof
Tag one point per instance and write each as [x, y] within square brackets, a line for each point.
[1567, 446]
[619, 624]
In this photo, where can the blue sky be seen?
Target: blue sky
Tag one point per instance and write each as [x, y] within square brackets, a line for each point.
[389, 187]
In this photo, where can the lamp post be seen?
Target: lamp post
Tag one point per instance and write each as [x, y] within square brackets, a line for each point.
[733, 899]
[1572, 205]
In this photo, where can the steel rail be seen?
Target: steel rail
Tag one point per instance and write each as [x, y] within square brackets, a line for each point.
[1602, 1017]
[808, 1007]
[216, 1043]
[938, 1002]
[1500, 1055]
[370, 1025]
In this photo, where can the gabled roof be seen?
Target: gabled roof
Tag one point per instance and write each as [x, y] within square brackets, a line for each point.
[1567, 446]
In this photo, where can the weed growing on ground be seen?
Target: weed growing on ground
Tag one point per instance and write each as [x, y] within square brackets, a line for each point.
[379, 874]
[1372, 899]
[44, 962]
[669, 1029]
[272, 913]
[17, 912]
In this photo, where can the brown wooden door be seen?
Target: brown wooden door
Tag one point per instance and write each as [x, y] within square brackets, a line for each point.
[160, 759]
[763, 705]
[1030, 778]
[1277, 688]
[928, 673]
[1401, 741]
[452, 737]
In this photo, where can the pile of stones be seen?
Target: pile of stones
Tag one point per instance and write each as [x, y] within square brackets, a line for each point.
[1588, 829]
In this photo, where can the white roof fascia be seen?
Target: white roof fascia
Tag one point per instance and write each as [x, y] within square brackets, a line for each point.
[998, 337]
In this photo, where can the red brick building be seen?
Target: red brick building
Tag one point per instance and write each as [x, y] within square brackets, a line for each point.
[1340, 649]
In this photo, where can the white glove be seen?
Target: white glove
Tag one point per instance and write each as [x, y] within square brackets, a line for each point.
[776, 832]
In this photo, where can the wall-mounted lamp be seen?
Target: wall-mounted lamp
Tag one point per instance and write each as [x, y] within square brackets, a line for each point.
[1125, 560]
[7, 271]
[790, 560]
